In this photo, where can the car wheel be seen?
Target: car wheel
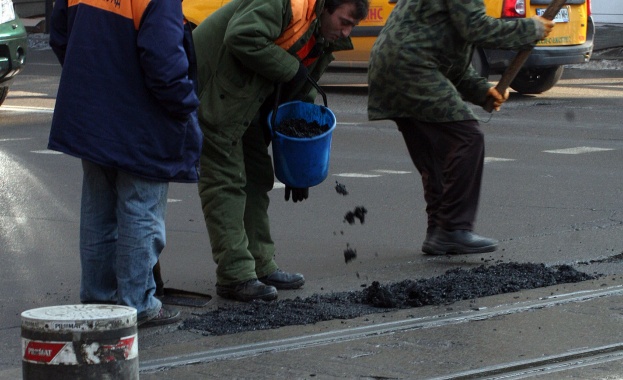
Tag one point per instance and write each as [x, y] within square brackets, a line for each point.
[3, 93]
[479, 62]
[536, 81]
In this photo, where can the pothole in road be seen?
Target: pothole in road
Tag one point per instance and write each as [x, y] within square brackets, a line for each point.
[455, 285]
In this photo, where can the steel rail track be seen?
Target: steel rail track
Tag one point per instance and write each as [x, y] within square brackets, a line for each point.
[542, 366]
[510, 370]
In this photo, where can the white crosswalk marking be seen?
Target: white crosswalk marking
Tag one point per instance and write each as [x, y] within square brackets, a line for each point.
[577, 150]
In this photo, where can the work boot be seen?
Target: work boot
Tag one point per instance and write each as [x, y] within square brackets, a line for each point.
[165, 316]
[443, 241]
[283, 280]
[247, 291]
[430, 231]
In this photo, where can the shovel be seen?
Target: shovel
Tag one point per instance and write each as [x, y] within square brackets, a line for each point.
[511, 71]
[178, 297]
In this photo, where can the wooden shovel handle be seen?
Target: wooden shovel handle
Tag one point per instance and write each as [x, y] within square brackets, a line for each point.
[522, 56]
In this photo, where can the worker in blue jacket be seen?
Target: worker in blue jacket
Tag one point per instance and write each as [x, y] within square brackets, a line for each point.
[126, 106]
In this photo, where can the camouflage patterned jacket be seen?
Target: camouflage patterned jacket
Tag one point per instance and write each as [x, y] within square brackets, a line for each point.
[420, 63]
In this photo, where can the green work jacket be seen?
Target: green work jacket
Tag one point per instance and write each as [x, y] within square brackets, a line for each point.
[239, 63]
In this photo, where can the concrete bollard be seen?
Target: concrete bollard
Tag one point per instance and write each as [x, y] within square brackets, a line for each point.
[77, 342]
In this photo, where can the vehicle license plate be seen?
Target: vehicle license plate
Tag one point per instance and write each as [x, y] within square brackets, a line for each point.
[562, 16]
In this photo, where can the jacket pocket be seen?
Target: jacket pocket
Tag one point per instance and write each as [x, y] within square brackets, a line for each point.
[224, 105]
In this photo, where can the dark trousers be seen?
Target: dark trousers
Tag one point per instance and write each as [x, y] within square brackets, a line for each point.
[450, 158]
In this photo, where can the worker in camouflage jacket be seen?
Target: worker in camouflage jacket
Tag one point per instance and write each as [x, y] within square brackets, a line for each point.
[244, 51]
[420, 76]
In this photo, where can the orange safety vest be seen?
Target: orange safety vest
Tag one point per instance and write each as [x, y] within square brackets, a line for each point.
[303, 15]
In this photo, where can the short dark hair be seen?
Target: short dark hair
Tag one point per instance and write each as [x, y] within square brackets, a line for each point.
[361, 7]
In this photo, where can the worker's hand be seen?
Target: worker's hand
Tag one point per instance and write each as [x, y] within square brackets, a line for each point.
[543, 25]
[289, 88]
[300, 76]
[298, 194]
[498, 99]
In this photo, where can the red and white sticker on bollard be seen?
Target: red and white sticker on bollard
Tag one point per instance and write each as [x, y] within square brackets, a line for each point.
[46, 352]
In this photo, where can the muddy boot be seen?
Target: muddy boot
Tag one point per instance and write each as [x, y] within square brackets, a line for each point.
[284, 280]
[247, 291]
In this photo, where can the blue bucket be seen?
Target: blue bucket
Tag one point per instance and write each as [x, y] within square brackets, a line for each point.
[302, 162]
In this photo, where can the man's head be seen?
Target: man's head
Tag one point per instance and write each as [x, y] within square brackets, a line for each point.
[339, 17]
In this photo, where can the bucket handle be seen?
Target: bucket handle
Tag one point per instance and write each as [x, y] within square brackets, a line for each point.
[278, 95]
[320, 90]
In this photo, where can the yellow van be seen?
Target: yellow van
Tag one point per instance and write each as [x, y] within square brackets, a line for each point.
[570, 42]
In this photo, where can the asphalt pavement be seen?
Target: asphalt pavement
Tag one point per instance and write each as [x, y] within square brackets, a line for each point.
[397, 345]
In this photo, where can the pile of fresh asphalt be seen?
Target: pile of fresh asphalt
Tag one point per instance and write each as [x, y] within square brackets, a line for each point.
[455, 285]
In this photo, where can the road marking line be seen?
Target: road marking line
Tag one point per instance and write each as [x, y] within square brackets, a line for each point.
[497, 159]
[356, 175]
[577, 150]
[18, 94]
[27, 109]
[46, 151]
[18, 139]
[391, 171]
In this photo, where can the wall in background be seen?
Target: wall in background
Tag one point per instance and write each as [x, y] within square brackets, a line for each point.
[608, 11]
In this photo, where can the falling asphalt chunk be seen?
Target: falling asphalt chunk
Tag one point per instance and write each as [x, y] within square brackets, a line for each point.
[455, 285]
[359, 213]
[341, 189]
[349, 254]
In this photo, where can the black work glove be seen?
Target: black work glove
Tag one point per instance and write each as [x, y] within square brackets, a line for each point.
[300, 76]
[289, 88]
[298, 194]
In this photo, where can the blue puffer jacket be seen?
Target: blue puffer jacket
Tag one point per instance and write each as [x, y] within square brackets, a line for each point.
[125, 99]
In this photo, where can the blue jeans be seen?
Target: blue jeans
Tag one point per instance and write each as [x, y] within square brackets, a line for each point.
[122, 234]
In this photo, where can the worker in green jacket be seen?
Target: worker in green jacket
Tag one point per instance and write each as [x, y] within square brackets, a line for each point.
[420, 76]
[244, 51]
